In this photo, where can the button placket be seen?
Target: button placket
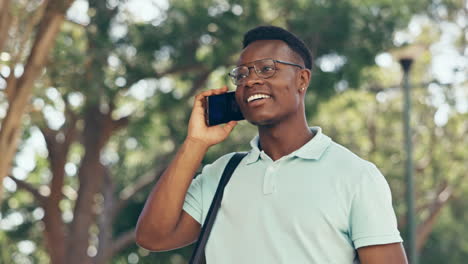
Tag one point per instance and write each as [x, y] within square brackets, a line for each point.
[269, 182]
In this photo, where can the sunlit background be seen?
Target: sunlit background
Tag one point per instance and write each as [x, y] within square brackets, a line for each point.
[142, 64]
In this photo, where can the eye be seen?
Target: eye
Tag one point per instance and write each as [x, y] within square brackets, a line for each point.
[240, 76]
[267, 68]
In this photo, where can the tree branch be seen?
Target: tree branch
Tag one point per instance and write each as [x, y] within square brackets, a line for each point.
[123, 241]
[31, 189]
[425, 228]
[33, 21]
[197, 84]
[142, 182]
[430, 205]
[120, 123]
[181, 69]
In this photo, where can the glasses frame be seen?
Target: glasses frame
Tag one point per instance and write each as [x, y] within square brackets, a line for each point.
[237, 83]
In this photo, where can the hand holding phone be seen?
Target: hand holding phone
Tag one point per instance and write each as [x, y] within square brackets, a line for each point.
[222, 108]
[198, 129]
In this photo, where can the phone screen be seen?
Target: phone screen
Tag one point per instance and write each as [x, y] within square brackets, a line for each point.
[222, 108]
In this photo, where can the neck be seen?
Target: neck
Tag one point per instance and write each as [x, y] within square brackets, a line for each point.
[282, 139]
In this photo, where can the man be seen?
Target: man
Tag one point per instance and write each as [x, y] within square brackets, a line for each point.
[297, 197]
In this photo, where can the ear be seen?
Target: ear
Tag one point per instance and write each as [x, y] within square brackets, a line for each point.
[304, 79]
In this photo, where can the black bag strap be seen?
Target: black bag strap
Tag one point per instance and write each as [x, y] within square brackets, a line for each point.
[198, 256]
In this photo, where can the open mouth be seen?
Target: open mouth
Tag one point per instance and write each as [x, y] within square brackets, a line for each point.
[256, 97]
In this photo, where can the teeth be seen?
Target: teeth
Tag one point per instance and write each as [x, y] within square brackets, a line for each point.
[256, 96]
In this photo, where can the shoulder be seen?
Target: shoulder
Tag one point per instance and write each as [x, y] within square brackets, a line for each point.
[212, 171]
[220, 162]
[363, 174]
[346, 159]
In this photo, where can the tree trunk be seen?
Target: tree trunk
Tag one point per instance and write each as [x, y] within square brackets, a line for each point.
[55, 230]
[98, 129]
[20, 91]
[106, 221]
[90, 176]
[54, 233]
[5, 21]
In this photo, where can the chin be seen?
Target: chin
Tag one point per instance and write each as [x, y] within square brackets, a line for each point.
[261, 121]
[270, 119]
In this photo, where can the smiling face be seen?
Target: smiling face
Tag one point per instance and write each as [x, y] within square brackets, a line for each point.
[276, 99]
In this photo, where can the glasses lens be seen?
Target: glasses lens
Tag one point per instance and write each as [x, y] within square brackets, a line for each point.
[265, 68]
[238, 74]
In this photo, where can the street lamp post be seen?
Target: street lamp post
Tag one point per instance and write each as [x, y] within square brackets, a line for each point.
[411, 219]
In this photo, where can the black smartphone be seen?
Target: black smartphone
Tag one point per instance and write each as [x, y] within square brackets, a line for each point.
[222, 108]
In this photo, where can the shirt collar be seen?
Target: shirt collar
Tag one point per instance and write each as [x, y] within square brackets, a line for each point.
[311, 150]
[254, 153]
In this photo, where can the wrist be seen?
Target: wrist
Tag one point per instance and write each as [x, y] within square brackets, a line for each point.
[196, 144]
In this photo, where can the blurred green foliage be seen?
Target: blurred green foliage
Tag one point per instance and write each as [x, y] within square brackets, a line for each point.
[151, 73]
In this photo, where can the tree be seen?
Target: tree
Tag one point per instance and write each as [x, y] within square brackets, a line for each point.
[124, 102]
[18, 90]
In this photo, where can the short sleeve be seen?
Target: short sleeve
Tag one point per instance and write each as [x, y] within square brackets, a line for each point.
[193, 199]
[372, 218]
[203, 187]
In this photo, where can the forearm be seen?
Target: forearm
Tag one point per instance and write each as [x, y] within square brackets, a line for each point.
[164, 205]
[383, 254]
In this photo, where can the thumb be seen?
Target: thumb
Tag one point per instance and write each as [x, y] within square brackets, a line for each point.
[230, 126]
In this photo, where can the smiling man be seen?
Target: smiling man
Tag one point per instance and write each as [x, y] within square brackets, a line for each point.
[297, 197]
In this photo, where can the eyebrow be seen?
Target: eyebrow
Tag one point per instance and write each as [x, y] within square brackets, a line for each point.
[243, 64]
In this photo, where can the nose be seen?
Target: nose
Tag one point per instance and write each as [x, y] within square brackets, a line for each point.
[252, 79]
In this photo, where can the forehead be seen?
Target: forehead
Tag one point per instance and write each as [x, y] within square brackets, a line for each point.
[262, 49]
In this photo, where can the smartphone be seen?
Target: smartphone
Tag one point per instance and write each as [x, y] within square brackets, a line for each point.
[222, 108]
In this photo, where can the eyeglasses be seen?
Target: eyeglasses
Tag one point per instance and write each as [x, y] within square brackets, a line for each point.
[264, 68]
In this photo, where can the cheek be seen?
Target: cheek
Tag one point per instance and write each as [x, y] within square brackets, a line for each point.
[288, 83]
[238, 96]
[289, 97]
[288, 89]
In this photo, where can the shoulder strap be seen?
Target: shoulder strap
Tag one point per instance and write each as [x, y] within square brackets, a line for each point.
[199, 253]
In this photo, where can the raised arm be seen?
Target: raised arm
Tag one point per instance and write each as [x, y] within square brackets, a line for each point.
[163, 224]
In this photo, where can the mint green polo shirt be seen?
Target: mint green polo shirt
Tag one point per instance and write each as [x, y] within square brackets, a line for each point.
[315, 205]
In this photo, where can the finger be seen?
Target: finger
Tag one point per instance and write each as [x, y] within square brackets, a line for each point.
[230, 126]
[200, 98]
[220, 90]
[215, 91]
[198, 102]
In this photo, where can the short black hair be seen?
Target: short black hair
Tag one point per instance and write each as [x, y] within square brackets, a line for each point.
[277, 33]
